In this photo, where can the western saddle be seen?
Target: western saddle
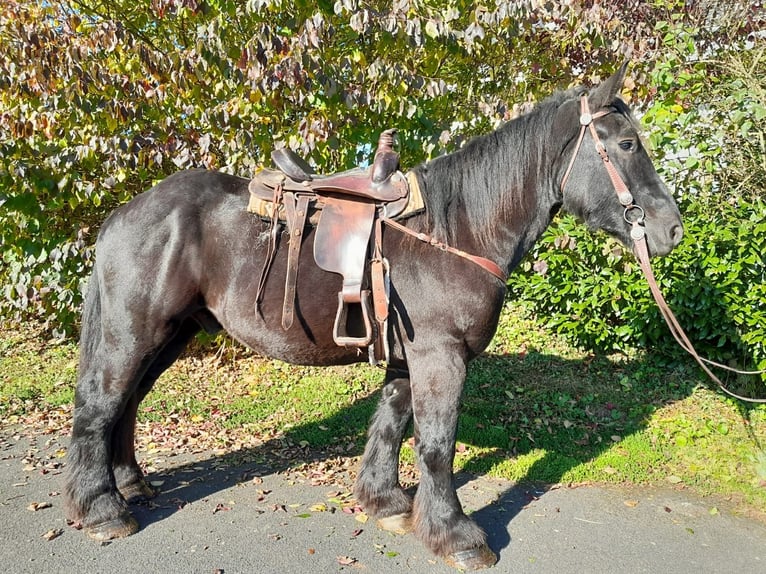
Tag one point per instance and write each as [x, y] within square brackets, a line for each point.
[346, 209]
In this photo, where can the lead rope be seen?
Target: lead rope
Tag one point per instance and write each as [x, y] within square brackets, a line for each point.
[642, 254]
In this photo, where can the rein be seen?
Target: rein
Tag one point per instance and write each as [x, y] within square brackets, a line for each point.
[640, 249]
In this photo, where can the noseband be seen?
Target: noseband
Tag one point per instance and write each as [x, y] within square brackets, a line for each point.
[638, 234]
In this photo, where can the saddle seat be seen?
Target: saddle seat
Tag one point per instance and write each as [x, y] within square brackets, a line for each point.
[346, 210]
[376, 183]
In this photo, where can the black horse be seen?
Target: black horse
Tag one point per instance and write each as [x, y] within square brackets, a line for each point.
[186, 256]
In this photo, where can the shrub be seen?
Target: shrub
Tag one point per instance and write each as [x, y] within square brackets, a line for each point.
[709, 133]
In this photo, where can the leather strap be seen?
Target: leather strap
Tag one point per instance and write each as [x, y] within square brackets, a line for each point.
[483, 262]
[296, 210]
[587, 121]
[271, 250]
[379, 293]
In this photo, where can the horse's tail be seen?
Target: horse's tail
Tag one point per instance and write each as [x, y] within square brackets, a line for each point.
[90, 330]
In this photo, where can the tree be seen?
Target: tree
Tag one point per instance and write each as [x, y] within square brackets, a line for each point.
[101, 98]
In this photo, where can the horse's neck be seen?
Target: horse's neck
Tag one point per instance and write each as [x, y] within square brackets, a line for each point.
[515, 221]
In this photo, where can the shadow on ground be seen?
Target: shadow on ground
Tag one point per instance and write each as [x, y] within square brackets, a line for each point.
[514, 406]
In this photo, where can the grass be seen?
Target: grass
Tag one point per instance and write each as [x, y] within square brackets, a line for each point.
[534, 408]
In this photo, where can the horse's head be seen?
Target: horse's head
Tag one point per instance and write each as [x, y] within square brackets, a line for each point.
[606, 176]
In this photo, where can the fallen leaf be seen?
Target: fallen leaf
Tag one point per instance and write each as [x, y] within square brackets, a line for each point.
[631, 503]
[321, 507]
[53, 533]
[674, 479]
[362, 517]
[346, 560]
[312, 551]
[35, 506]
[356, 532]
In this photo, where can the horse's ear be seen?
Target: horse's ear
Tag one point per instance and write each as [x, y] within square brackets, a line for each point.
[606, 92]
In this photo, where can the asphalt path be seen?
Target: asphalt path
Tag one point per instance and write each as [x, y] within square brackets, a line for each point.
[222, 514]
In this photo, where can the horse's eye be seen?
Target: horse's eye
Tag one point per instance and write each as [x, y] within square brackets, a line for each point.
[626, 145]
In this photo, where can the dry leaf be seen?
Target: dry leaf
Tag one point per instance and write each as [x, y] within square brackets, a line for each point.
[35, 506]
[53, 533]
[346, 560]
[362, 517]
[631, 503]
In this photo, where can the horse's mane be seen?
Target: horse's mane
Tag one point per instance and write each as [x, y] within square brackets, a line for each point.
[494, 174]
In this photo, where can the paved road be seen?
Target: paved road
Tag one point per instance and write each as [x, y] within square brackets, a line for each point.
[217, 514]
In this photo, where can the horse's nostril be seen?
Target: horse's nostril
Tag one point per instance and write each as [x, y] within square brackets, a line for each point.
[676, 233]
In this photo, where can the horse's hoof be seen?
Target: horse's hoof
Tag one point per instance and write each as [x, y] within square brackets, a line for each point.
[137, 491]
[122, 526]
[397, 523]
[472, 559]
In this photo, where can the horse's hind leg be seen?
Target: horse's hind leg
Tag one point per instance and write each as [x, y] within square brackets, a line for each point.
[377, 485]
[106, 384]
[118, 347]
[128, 475]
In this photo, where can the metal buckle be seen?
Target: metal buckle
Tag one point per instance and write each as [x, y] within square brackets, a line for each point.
[641, 216]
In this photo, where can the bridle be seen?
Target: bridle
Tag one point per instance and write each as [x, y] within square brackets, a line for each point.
[587, 122]
[638, 234]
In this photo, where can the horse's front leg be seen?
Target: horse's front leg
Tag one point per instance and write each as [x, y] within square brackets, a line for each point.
[438, 518]
[377, 485]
